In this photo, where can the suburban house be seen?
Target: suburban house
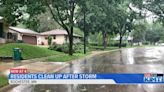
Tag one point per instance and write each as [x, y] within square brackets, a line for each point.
[2, 38]
[59, 36]
[125, 38]
[20, 34]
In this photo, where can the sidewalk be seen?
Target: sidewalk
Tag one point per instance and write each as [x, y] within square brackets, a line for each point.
[33, 65]
[39, 65]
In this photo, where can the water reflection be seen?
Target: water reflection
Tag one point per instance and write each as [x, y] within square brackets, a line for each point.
[136, 60]
[130, 56]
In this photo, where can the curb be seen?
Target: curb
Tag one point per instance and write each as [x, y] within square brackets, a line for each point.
[7, 88]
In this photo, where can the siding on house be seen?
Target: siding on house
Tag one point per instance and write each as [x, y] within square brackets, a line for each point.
[25, 35]
[1, 27]
[58, 39]
[61, 37]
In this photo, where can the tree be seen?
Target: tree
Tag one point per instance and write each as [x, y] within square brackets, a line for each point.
[45, 18]
[63, 13]
[152, 36]
[15, 11]
[154, 33]
[156, 7]
[112, 17]
[83, 9]
[123, 20]
[139, 32]
[97, 18]
[8, 7]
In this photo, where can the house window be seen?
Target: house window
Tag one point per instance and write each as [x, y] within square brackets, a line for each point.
[1, 29]
[54, 36]
[9, 35]
[46, 37]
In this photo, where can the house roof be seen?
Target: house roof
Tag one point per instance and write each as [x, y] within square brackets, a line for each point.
[22, 30]
[57, 32]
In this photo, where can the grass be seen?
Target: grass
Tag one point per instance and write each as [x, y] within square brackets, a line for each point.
[65, 57]
[28, 51]
[3, 81]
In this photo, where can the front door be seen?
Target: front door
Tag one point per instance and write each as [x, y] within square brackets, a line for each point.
[1, 29]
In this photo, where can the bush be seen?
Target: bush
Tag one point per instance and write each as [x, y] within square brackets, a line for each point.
[65, 48]
[56, 47]
[49, 40]
[93, 44]
[61, 48]
[19, 41]
[77, 48]
[146, 43]
[117, 44]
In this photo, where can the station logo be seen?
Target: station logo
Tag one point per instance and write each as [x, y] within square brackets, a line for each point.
[153, 78]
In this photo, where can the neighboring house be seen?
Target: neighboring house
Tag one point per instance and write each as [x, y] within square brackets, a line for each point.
[59, 36]
[2, 39]
[25, 35]
[129, 38]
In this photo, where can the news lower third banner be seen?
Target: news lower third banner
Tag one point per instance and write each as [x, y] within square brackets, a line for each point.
[21, 76]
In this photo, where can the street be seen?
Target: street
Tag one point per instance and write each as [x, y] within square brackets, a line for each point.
[132, 60]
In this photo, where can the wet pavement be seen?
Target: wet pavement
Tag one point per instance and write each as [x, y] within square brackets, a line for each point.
[133, 60]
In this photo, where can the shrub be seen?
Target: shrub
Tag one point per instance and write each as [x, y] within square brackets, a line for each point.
[146, 43]
[19, 41]
[61, 48]
[78, 48]
[49, 40]
[55, 47]
[117, 44]
[65, 48]
[93, 44]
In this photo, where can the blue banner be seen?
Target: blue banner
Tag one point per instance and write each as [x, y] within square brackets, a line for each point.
[118, 78]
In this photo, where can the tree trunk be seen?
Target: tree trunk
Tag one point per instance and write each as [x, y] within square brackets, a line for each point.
[84, 34]
[71, 29]
[84, 43]
[120, 43]
[71, 42]
[104, 39]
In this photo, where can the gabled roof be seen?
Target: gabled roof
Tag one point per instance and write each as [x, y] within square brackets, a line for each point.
[57, 32]
[22, 30]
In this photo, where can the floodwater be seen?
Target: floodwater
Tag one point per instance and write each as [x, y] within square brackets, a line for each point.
[133, 60]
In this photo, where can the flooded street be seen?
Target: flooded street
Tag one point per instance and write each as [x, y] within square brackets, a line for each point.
[132, 60]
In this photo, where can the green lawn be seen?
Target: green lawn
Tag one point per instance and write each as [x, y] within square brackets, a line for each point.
[29, 51]
[65, 57]
[3, 81]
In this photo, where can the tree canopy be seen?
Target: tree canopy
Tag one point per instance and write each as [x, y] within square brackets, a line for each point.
[108, 17]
